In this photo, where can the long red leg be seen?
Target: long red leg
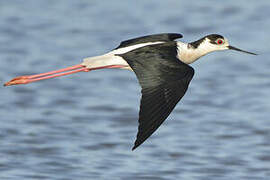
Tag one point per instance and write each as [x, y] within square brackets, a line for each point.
[61, 72]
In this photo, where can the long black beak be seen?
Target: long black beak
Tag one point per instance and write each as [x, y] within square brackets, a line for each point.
[234, 48]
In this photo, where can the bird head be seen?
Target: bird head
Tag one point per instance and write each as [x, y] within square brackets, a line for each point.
[215, 42]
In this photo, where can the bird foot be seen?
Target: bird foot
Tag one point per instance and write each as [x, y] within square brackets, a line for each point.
[17, 80]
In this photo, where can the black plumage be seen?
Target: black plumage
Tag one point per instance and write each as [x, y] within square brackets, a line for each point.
[214, 37]
[164, 80]
[164, 37]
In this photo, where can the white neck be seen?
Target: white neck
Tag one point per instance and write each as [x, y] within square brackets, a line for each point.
[189, 54]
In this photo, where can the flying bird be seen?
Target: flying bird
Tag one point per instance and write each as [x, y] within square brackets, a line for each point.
[161, 65]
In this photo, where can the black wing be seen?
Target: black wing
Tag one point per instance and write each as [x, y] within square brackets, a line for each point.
[165, 37]
[164, 80]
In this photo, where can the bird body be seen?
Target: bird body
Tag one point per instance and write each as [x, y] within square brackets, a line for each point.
[113, 58]
[161, 65]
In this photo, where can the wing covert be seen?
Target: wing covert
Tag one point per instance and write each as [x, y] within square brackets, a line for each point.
[165, 37]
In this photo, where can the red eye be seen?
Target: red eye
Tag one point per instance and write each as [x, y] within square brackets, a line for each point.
[219, 41]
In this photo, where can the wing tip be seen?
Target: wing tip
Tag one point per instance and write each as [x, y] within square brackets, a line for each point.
[137, 143]
[135, 146]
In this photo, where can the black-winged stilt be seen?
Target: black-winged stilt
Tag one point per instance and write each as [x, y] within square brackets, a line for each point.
[161, 66]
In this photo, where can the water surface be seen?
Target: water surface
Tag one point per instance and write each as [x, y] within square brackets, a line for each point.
[83, 126]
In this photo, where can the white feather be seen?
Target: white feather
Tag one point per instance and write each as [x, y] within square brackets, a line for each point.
[111, 58]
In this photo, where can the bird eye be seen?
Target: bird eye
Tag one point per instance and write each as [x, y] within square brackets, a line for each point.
[219, 41]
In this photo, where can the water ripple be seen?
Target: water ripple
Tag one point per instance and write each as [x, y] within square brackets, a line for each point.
[84, 126]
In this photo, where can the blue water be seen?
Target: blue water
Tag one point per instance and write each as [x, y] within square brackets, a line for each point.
[83, 126]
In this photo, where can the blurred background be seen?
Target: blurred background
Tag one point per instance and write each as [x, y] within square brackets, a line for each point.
[84, 125]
